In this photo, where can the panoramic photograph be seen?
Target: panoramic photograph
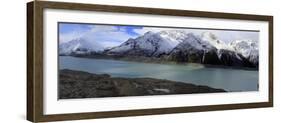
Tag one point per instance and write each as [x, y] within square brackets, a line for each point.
[103, 60]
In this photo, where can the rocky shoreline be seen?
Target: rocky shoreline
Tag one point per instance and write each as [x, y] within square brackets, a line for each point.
[79, 84]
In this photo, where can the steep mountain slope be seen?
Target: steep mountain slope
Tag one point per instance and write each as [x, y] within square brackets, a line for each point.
[192, 49]
[150, 44]
[214, 41]
[248, 48]
[182, 46]
[207, 49]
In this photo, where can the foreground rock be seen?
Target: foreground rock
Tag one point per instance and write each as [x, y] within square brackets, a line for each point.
[78, 84]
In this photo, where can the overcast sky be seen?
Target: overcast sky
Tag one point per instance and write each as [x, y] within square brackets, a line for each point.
[111, 35]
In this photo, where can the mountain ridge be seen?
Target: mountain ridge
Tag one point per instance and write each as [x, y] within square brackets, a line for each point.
[184, 47]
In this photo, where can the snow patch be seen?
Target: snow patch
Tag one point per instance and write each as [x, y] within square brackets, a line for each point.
[162, 90]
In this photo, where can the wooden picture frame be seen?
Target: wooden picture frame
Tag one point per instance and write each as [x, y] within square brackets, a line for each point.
[35, 62]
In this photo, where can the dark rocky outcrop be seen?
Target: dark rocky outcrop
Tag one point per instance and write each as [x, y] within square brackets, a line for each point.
[78, 84]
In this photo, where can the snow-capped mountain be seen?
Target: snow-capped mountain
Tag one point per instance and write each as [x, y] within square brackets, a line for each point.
[151, 44]
[214, 41]
[191, 49]
[78, 46]
[248, 48]
[207, 49]
[175, 45]
[182, 46]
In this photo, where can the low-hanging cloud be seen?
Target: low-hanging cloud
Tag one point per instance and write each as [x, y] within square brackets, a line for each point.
[106, 36]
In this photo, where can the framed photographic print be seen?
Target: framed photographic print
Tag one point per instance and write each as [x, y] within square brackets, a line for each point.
[96, 61]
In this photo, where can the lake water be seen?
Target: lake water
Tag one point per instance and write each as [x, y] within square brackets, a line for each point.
[228, 79]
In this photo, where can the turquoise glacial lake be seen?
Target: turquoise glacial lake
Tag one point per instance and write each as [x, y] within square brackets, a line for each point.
[228, 79]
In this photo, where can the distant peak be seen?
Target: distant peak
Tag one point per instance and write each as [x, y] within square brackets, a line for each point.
[190, 34]
[209, 36]
[79, 39]
[244, 40]
[149, 33]
[167, 32]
